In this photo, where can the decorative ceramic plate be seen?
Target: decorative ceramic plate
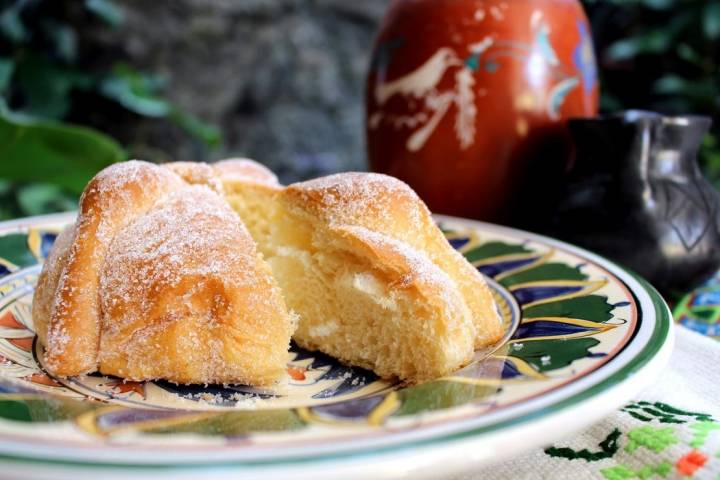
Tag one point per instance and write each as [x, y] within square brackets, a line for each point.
[582, 337]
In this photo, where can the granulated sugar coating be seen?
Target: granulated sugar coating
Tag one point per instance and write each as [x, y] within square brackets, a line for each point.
[386, 205]
[171, 282]
[196, 174]
[402, 300]
[416, 269]
[352, 197]
[234, 169]
[160, 279]
[67, 290]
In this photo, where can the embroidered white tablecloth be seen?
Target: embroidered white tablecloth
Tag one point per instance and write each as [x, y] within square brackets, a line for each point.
[671, 430]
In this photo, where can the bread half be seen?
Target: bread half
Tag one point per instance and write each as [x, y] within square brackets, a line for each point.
[160, 279]
[372, 278]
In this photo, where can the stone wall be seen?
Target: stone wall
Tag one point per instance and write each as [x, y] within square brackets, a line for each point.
[283, 79]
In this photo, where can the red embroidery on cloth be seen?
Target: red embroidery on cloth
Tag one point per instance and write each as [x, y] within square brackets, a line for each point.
[690, 463]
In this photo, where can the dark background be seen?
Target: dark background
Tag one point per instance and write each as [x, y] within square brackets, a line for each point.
[280, 81]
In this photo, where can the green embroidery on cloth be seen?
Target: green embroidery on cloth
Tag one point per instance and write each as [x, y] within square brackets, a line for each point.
[637, 416]
[622, 472]
[662, 412]
[652, 438]
[608, 448]
[618, 472]
[694, 428]
[663, 468]
[701, 431]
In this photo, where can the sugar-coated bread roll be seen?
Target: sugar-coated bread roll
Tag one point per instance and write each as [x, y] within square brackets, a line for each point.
[374, 281]
[160, 279]
[186, 272]
[372, 278]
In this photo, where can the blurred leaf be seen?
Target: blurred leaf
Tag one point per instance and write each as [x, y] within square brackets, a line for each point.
[56, 153]
[657, 4]
[47, 87]
[206, 132]
[654, 41]
[138, 93]
[670, 84]
[688, 53]
[710, 159]
[701, 90]
[41, 198]
[8, 210]
[610, 103]
[63, 39]
[5, 187]
[106, 10]
[711, 20]
[135, 91]
[11, 25]
[709, 142]
[7, 66]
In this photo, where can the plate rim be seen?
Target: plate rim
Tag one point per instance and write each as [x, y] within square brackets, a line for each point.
[655, 350]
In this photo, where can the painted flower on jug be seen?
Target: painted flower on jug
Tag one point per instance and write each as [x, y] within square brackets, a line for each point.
[584, 58]
[428, 103]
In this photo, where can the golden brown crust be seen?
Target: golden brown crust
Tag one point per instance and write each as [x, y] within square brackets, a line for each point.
[114, 197]
[196, 173]
[229, 170]
[380, 203]
[72, 312]
[185, 297]
[48, 281]
[244, 169]
[159, 278]
[249, 187]
[232, 177]
[405, 268]
[374, 201]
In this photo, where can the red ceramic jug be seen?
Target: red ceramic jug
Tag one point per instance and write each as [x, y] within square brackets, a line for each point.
[463, 94]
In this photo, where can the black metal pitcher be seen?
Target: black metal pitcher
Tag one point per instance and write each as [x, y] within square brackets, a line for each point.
[636, 195]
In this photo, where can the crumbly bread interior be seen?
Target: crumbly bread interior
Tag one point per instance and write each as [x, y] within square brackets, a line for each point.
[159, 278]
[365, 312]
[256, 204]
[396, 299]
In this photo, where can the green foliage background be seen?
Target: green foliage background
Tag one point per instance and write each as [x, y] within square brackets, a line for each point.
[654, 54]
[661, 55]
[48, 89]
